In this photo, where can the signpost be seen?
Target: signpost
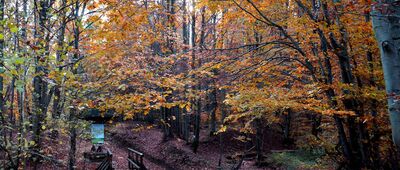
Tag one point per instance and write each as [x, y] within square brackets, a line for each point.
[98, 119]
[97, 133]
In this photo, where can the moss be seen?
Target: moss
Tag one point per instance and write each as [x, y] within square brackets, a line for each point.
[298, 159]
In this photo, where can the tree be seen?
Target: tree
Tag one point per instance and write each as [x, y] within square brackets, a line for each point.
[385, 20]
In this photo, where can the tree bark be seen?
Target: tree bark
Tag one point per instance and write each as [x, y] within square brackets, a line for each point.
[57, 103]
[287, 124]
[259, 139]
[214, 105]
[72, 149]
[2, 70]
[40, 86]
[196, 102]
[386, 24]
[73, 110]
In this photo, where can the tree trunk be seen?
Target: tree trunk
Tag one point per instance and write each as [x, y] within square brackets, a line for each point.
[386, 24]
[259, 140]
[40, 86]
[375, 131]
[213, 124]
[186, 127]
[73, 111]
[199, 83]
[21, 92]
[72, 149]
[2, 130]
[196, 102]
[60, 52]
[214, 105]
[286, 129]
[330, 93]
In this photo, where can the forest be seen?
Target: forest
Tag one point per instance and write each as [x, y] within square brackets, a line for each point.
[199, 84]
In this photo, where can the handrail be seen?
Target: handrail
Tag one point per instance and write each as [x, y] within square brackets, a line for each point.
[108, 151]
[134, 164]
[136, 152]
[135, 160]
[106, 164]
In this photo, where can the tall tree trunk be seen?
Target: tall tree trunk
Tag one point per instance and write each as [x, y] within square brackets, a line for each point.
[199, 83]
[214, 93]
[214, 105]
[72, 136]
[185, 37]
[40, 86]
[375, 131]
[386, 24]
[330, 93]
[60, 52]
[195, 102]
[2, 69]
[259, 139]
[287, 124]
[22, 90]
[73, 110]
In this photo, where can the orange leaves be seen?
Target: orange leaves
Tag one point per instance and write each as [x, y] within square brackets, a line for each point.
[93, 5]
[331, 112]
[92, 19]
[135, 62]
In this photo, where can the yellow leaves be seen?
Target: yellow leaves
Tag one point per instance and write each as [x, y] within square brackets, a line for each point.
[146, 111]
[168, 105]
[213, 6]
[93, 18]
[14, 72]
[91, 104]
[160, 99]
[56, 75]
[92, 5]
[186, 106]
[123, 45]
[182, 105]
[222, 129]
[32, 143]
[332, 112]
[217, 66]
[129, 115]
[122, 87]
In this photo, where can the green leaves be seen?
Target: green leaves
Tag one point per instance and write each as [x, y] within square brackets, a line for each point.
[13, 28]
[19, 61]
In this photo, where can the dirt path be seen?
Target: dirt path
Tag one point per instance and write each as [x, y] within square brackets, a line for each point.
[120, 155]
[122, 135]
[173, 154]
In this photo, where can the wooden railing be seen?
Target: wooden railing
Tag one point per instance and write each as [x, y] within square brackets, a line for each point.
[135, 160]
[106, 164]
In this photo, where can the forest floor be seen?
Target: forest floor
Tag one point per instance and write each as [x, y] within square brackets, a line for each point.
[173, 154]
[176, 153]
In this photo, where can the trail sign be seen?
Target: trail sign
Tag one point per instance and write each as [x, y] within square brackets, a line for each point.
[97, 131]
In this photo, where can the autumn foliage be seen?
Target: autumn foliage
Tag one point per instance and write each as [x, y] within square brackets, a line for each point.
[308, 70]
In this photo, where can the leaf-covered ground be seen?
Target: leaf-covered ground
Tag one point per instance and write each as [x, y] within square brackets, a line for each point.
[176, 153]
[173, 153]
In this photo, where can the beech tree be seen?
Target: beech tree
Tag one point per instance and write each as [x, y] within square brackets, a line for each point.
[386, 23]
[305, 71]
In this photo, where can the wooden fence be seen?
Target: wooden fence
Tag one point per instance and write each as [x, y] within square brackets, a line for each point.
[135, 160]
[106, 164]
